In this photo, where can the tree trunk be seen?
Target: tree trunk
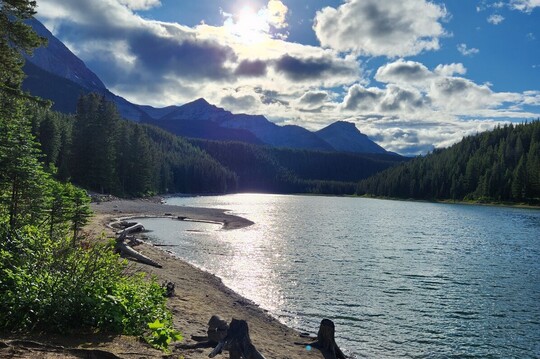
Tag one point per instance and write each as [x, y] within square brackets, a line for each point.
[216, 333]
[326, 342]
[238, 342]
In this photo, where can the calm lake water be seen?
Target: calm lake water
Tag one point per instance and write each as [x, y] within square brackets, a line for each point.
[399, 279]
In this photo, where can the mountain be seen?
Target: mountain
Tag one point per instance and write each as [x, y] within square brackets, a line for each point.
[200, 119]
[56, 64]
[57, 59]
[345, 137]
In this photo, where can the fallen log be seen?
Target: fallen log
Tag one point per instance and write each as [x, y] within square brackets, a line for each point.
[326, 341]
[237, 342]
[137, 227]
[127, 251]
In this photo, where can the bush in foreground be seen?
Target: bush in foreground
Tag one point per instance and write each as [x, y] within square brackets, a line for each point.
[61, 286]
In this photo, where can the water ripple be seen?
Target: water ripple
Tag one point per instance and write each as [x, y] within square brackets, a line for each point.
[399, 279]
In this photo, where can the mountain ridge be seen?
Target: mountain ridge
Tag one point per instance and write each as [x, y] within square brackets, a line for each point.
[55, 63]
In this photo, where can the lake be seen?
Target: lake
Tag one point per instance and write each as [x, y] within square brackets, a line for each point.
[399, 279]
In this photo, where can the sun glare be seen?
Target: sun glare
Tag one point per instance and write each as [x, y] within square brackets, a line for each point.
[250, 26]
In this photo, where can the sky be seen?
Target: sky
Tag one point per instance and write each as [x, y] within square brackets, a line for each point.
[413, 75]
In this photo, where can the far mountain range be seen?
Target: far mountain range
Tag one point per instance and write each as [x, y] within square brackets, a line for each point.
[55, 73]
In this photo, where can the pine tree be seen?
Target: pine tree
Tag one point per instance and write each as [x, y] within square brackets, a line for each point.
[95, 142]
[21, 178]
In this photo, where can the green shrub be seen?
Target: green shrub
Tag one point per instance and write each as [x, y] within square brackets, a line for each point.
[55, 286]
[161, 334]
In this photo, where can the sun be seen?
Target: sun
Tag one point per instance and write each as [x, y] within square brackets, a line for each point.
[250, 26]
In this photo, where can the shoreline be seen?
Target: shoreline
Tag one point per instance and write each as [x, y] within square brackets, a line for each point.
[200, 294]
[449, 201]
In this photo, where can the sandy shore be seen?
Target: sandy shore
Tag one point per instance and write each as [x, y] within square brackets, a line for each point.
[199, 294]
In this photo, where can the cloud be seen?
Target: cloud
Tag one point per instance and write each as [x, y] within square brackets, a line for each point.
[412, 90]
[126, 50]
[381, 28]
[412, 138]
[277, 14]
[315, 101]
[140, 4]
[314, 98]
[495, 19]
[391, 100]
[307, 69]
[525, 5]
[451, 69]
[403, 72]
[239, 103]
[362, 99]
[459, 95]
[465, 51]
[190, 59]
[251, 68]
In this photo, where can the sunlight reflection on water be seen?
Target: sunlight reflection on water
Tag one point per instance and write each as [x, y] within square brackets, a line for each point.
[397, 278]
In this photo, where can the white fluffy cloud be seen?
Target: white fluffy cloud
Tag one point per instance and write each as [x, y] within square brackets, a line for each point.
[140, 4]
[403, 72]
[451, 69]
[277, 14]
[495, 19]
[466, 51]
[126, 50]
[418, 108]
[525, 5]
[389, 28]
[411, 89]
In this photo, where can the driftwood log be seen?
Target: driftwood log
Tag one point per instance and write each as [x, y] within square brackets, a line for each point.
[127, 252]
[326, 341]
[131, 228]
[216, 333]
[237, 342]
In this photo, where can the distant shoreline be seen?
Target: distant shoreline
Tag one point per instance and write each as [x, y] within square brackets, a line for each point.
[448, 201]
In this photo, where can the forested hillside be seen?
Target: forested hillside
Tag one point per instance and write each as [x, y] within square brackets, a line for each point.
[499, 165]
[99, 151]
[280, 170]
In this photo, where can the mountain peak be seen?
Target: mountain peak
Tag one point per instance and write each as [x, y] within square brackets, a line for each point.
[346, 137]
[199, 109]
[343, 125]
[199, 101]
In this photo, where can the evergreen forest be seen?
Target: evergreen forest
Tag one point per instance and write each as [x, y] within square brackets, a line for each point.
[98, 150]
[502, 165]
[53, 278]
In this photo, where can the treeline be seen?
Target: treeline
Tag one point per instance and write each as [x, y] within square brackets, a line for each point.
[99, 151]
[278, 170]
[499, 165]
[52, 277]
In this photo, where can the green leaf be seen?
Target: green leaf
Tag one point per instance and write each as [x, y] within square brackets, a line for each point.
[155, 325]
